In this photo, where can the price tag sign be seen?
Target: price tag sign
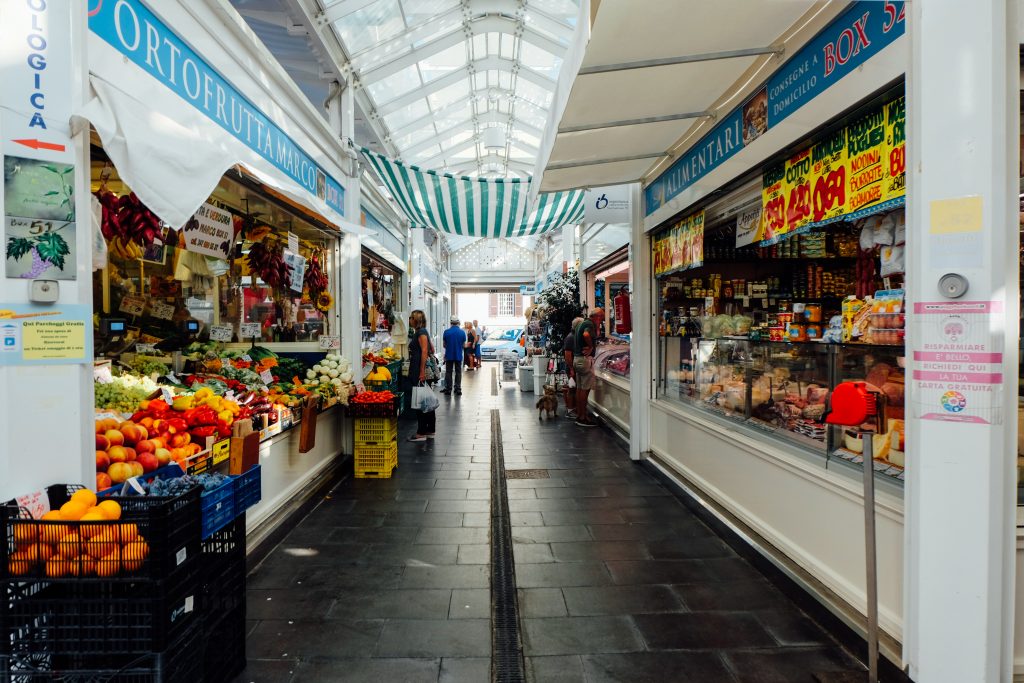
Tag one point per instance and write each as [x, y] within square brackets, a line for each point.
[221, 451]
[221, 333]
[108, 416]
[247, 358]
[161, 310]
[166, 394]
[132, 305]
[145, 348]
[267, 377]
[293, 243]
[330, 342]
[249, 330]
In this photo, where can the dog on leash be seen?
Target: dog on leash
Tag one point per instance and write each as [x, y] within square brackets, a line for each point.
[547, 403]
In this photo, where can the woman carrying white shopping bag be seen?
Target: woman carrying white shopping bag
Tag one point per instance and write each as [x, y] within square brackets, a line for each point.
[421, 373]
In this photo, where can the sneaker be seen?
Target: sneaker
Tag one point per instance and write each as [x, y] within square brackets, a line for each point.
[419, 437]
[580, 423]
[430, 436]
[571, 414]
[458, 392]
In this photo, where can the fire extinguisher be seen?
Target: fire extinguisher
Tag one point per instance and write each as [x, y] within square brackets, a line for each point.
[623, 318]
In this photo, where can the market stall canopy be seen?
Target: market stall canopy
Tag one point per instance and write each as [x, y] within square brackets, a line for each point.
[474, 207]
[641, 87]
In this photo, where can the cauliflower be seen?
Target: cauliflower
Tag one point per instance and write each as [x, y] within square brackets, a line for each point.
[332, 373]
[346, 377]
[310, 374]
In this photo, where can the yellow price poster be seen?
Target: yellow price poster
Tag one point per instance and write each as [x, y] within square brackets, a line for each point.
[828, 168]
[773, 201]
[681, 246]
[895, 184]
[799, 183]
[865, 149]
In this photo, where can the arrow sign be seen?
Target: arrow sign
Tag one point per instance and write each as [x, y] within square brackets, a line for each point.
[39, 144]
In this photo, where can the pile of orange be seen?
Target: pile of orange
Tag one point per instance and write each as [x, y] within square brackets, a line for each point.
[89, 545]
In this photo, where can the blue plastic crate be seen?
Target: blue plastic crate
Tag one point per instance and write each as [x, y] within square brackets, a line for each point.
[248, 489]
[218, 508]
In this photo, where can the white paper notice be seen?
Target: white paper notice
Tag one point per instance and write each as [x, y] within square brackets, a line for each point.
[210, 232]
[221, 333]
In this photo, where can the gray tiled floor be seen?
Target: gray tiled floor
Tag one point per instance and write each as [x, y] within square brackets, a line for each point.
[388, 580]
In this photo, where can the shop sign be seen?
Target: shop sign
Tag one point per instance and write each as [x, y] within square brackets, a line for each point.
[958, 373]
[859, 33]
[749, 227]
[608, 205]
[210, 232]
[37, 335]
[681, 247]
[853, 172]
[134, 31]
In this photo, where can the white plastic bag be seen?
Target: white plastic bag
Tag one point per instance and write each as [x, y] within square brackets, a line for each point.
[424, 399]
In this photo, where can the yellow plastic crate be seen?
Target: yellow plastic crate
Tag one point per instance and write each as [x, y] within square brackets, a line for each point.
[377, 462]
[376, 431]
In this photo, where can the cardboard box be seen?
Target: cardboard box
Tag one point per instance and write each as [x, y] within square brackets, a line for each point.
[245, 452]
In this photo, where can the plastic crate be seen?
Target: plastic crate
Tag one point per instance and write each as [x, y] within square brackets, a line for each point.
[86, 619]
[392, 409]
[380, 385]
[218, 507]
[224, 572]
[248, 489]
[376, 462]
[178, 663]
[375, 431]
[224, 653]
[169, 525]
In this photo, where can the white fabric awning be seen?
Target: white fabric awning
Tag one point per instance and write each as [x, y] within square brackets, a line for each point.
[622, 113]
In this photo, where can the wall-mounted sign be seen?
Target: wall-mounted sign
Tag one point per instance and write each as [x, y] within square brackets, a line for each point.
[861, 32]
[608, 205]
[37, 335]
[748, 227]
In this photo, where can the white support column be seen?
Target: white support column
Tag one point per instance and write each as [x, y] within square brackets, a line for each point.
[341, 113]
[962, 218]
[641, 347]
[36, 399]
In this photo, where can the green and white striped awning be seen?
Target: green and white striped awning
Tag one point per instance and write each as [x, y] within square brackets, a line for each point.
[474, 207]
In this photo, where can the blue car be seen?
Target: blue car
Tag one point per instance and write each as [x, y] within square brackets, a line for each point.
[501, 341]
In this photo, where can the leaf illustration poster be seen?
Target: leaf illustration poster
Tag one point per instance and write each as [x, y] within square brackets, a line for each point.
[39, 225]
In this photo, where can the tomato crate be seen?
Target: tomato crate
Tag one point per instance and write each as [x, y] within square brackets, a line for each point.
[218, 507]
[178, 663]
[375, 431]
[391, 409]
[153, 536]
[100, 617]
[248, 488]
[376, 462]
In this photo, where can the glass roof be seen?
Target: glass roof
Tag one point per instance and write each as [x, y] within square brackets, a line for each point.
[439, 72]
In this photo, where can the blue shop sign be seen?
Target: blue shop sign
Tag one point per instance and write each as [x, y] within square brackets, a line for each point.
[133, 30]
[859, 33]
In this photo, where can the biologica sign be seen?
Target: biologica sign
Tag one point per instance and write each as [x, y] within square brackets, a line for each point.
[134, 31]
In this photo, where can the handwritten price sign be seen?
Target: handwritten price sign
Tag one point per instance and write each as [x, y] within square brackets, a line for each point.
[161, 310]
[330, 343]
[132, 305]
[249, 330]
[221, 333]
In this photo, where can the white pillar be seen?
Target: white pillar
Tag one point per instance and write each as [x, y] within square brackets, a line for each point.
[641, 347]
[962, 218]
[46, 411]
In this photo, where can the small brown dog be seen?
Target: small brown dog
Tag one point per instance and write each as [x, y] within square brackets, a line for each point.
[547, 403]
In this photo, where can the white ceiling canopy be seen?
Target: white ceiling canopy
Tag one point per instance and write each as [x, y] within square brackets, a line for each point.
[640, 87]
[439, 73]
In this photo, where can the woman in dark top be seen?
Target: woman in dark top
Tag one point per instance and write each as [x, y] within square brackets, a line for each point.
[419, 350]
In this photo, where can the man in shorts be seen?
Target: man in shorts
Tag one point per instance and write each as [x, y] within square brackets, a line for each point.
[583, 363]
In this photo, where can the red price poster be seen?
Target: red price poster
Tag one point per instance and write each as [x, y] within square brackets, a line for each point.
[895, 184]
[828, 168]
[773, 201]
[866, 150]
[798, 188]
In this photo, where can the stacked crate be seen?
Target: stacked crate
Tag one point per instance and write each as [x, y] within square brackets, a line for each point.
[135, 622]
[223, 591]
[376, 447]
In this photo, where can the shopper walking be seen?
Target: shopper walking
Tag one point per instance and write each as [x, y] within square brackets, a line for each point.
[569, 352]
[477, 358]
[454, 341]
[470, 344]
[419, 351]
[584, 343]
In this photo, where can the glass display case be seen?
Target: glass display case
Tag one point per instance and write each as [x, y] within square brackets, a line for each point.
[612, 356]
[782, 389]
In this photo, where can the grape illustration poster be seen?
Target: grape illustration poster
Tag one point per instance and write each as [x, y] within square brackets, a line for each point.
[39, 221]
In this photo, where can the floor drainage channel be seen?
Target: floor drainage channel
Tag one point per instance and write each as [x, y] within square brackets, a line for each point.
[494, 382]
[507, 665]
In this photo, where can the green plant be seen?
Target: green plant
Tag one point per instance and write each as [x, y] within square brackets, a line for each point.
[561, 303]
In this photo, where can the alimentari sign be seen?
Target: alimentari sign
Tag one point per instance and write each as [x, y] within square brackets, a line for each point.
[133, 30]
[859, 33]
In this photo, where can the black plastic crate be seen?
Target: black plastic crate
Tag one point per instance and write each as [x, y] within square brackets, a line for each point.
[392, 408]
[224, 655]
[170, 527]
[178, 663]
[223, 571]
[98, 618]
